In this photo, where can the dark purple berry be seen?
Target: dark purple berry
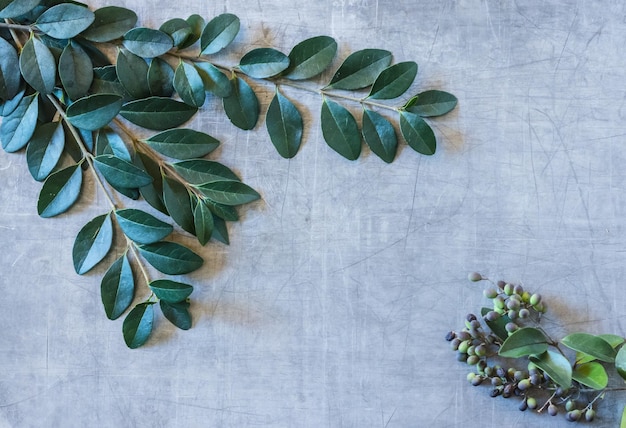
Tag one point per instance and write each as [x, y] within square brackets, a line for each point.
[450, 336]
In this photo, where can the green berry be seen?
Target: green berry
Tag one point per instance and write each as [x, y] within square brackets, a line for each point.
[511, 327]
[532, 403]
[496, 381]
[498, 303]
[553, 410]
[535, 299]
[480, 350]
[513, 304]
[471, 376]
[524, 313]
[477, 380]
[574, 415]
[475, 277]
[590, 415]
[472, 360]
[508, 289]
[519, 375]
[471, 350]
[513, 314]
[492, 316]
[524, 384]
[525, 297]
[570, 405]
[464, 346]
[463, 335]
[455, 344]
[518, 290]
[490, 292]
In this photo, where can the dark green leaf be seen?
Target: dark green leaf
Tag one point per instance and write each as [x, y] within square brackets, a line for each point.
[158, 113]
[394, 81]
[200, 171]
[196, 23]
[9, 106]
[360, 69]
[170, 291]
[171, 258]
[178, 29]
[189, 84]
[183, 143]
[229, 192]
[590, 345]
[178, 202]
[242, 105]
[498, 326]
[108, 138]
[554, 365]
[525, 341]
[340, 130]
[142, 227]
[310, 57]
[60, 191]
[153, 192]
[177, 314]
[138, 325]
[214, 80]
[160, 78]
[92, 243]
[203, 222]
[620, 362]
[284, 124]
[219, 33]
[38, 66]
[121, 173]
[379, 135]
[262, 63]
[416, 132]
[110, 23]
[45, 149]
[220, 231]
[132, 72]
[9, 71]
[147, 42]
[612, 339]
[97, 56]
[75, 71]
[592, 375]
[18, 127]
[224, 212]
[105, 81]
[65, 20]
[95, 111]
[15, 8]
[117, 288]
[431, 103]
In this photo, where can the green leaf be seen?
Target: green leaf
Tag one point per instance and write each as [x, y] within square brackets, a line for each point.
[431, 103]
[178, 202]
[379, 135]
[171, 258]
[75, 71]
[18, 127]
[108, 138]
[147, 42]
[177, 314]
[45, 149]
[65, 20]
[394, 81]
[196, 23]
[591, 374]
[9, 106]
[153, 192]
[132, 72]
[242, 105]
[117, 288]
[160, 78]
[416, 132]
[92, 243]
[200, 171]
[612, 339]
[9, 71]
[142, 227]
[138, 325]
[110, 23]
[525, 341]
[15, 8]
[203, 222]
[178, 29]
[497, 326]
[262, 63]
[590, 345]
[229, 192]
[158, 113]
[170, 291]
[623, 422]
[105, 81]
[224, 212]
[310, 57]
[220, 231]
[620, 362]
[554, 365]
[214, 80]
[38, 66]
[360, 69]
[189, 85]
[219, 33]
[94, 111]
[121, 173]
[340, 130]
[182, 143]
[284, 125]
[60, 191]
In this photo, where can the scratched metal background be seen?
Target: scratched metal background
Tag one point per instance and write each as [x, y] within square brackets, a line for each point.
[330, 306]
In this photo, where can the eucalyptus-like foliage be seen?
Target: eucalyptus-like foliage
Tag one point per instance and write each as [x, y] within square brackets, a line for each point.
[67, 102]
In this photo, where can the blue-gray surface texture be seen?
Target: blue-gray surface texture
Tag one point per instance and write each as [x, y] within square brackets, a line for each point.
[330, 306]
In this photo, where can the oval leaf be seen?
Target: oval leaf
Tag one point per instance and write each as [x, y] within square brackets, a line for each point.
[525, 341]
[432, 103]
[117, 288]
[158, 113]
[65, 20]
[200, 171]
[15, 8]
[554, 365]
[170, 291]
[203, 222]
[138, 325]
[590, 345]
[9, 71]
[121, 173]
[214, 80]
[360, 69]
[95, 111]
[60, 191]
[45, 149]
[142, 227]
[75, 71]
[196, 23]
[340, 130]
[592, 375]
[92, 243]
[178, 203]
[310, 57]
[178, 29]
[262, 63]
[147, 42]
[242, 105]
[171, 258]
[416, 132]
[379, 135]
[189, 85]
[284, 125]
[620, 362]
[38, 66]
[394, 81]
[183, 143]
[110, 23]
[110, 141]
[224, 212]
[132, 73]
[18, 127]
[177, 314]
[9, 106]
[219, 33]
[160, 78]
[229, 192]
[153, 192]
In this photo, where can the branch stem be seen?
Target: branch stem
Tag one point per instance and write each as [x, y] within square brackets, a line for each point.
[10, 26]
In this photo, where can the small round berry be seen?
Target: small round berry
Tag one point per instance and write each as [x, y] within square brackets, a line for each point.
[471, 350]
[472, 360]
[475, 324]
[573, 415]
[532, 403]
[475, 277]
[490, 292]
[524, 384]
[535, 299]
[496, 381]
[500, 372]
[590, 415]
[455, 344]
[508, 289]
[523, 406]
[463, 335]
[498, 303]
[512, 304]
[553, 410]
[470, 317]
[570, 405]
[512, 314]
[489, 371]
[450, 336]
[501, 284]
[508, 390]
[519, 375]
[535, 379]
[495, 392]
[518, 289]
[525, 297]
[511, 327]
[477, 380]
[464, 346]
[524, 313]
[471, 376]
[492, 316]
[480, 350]
[481, 366]
[461, 356]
